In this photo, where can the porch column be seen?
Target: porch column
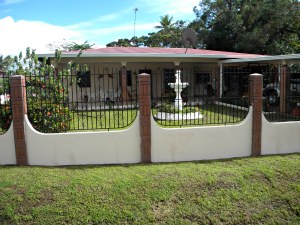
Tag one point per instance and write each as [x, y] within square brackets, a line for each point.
[19, 109]
[219, 85]
[255, 97]
[145, 116]
[124, 92]
[283, 85]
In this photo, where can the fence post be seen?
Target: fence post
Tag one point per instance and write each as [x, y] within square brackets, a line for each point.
[19, 109]
[124, 92]
[255, 94]
[145, 116]
[283, 91]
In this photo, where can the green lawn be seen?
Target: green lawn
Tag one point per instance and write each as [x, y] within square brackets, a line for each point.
[102, 120]
[264, 190]
[212, 115]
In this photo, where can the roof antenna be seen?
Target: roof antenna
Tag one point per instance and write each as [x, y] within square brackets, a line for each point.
[189, 38]
[135, 10]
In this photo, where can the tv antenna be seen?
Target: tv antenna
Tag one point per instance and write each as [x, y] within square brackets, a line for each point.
[189, 38]
[135, 10]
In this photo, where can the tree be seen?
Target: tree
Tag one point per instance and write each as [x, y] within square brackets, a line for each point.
[166, 24]
[169, 35]
[66, 46]
[122, 43]
[46, 92]
[262, 26]
[74, 46]
[6, 63]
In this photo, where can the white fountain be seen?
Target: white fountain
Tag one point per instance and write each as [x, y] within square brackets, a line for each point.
[178, 86]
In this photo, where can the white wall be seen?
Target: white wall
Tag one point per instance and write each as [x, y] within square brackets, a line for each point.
[200, 143]
[280, 138]
[7, 147]
[114, 147]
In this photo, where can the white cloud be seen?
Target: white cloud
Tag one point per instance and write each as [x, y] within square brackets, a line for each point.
[178, 9]
[16, 36]
[109, 18]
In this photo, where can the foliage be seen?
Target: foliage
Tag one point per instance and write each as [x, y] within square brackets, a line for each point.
[170, 108]
[5, 109]
[5, 116]
[66, 46]
[254, 190]
[73, 46]
[266, 27]
[6, 63]
[4, 85]
[46, 93]
[46, 109]
[169, 35]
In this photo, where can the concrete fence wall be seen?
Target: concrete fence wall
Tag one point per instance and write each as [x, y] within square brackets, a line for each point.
[7, 147]
[145, 141]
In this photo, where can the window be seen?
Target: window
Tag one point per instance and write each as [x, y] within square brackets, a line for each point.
[169, 77]
[201, 77]
[84, 79]
[129, 78]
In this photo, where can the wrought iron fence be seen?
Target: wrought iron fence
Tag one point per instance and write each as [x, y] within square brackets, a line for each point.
[5, 105]
[204, 101]
[81, 98]
[281, 93]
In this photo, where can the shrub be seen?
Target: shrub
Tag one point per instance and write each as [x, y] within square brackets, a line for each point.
[46, 94]
[170, 108]
[5, 116]
[49, 117]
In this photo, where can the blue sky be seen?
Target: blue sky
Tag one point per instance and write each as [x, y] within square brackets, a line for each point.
[36, 23]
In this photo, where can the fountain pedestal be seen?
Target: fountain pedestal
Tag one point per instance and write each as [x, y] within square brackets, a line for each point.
[178, 86]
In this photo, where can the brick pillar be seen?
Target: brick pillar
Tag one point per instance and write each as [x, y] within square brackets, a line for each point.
[255, 94]
[145, 116]
[19, 109]
[283, 81]
[124, 93]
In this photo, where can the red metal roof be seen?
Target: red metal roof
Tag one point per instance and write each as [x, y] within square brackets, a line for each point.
[155, 50]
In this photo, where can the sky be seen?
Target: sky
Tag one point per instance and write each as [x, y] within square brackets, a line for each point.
[36, 23]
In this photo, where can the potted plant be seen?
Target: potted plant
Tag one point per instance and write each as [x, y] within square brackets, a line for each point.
[295, 108]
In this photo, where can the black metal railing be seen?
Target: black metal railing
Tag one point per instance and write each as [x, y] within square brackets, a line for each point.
[281, 101]
[204, 102]
[5, 104]
[81, 98]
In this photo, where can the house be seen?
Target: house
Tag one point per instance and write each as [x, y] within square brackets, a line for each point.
[110, 74]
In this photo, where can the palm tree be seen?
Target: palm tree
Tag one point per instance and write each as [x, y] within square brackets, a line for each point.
[165, 23]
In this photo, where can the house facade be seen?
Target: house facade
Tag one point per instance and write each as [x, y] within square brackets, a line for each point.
[110, 74]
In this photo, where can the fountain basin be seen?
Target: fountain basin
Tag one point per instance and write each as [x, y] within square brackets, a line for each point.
[178, 116]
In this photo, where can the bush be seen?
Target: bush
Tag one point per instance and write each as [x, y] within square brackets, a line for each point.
[46, 103]
[5, 116]
[46, 94]
[49, 118]
[170, 108]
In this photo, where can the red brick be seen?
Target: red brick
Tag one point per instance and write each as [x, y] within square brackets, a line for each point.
[145, 117]
[18, 99]
[255, 97]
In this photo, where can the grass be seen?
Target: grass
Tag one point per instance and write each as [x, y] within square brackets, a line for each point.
[102, 120]
[264, 190]
[212, 115]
